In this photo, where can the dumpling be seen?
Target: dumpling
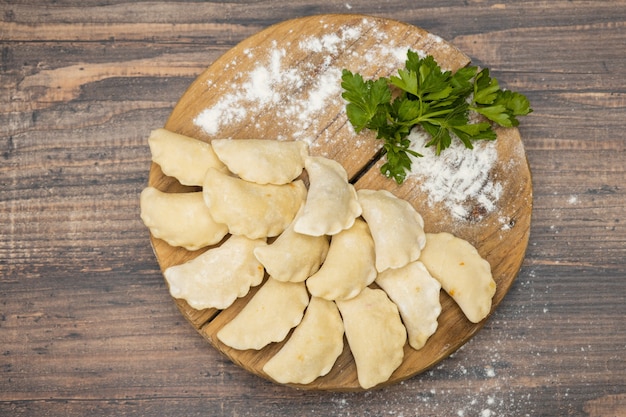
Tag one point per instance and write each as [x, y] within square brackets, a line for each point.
[216, 278]
[416, 293]
[396, 227]
[293, 256]
[262, 161]
[268, 317]
[375, 334]
[250, 209]
[184, 158]
[313, 347]
[331, 205]
[349, 265]
[181, 219]
[462, 272]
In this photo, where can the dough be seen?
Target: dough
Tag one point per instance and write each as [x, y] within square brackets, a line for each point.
[262, 161]
[293, 256]
[331, 205]
[312, 349]
[397, 229]
[268, 317]
[217, 277]
[180, 219]
[462, 272]
[349, 265]
[251, 209]
[375, 334]
[416, 293]
[184, 158]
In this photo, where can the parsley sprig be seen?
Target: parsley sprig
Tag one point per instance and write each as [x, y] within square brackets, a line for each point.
[439, 101]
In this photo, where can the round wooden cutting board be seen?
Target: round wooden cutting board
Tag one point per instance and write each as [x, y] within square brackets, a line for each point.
[284, 83]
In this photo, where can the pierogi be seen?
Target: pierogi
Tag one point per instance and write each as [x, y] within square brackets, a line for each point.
[218, 276]
[250, 209]
[462, 272]
[268, 317]
[262, 161]
[342, 261]
[293, 256]
[332, 204]
[180, 219]
[416, 293]
[349, 265]
[312, 349]
[184, 158]
[375, 334]
[397, 229]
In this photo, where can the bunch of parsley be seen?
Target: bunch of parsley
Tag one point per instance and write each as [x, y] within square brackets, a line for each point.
[439, 101]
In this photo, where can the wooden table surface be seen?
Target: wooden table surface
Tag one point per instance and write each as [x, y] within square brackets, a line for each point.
[87, 327]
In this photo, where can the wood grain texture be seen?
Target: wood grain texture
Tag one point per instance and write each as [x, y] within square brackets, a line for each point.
[86, 324]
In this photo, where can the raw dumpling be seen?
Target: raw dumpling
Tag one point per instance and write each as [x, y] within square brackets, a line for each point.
[331, 205]
[268, 317]
[397, 229]
[375, 334]
[184, 158]
[181, 219]
[217, 277]
[312, 349]
[293, 256]
[416, 293]
[250, 209]
[349, 265]
[462, 272]
[262, 161]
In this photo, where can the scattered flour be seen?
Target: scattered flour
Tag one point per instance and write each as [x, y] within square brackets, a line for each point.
[331, 43]
[275, 88]
[459, 177]
[258, 91]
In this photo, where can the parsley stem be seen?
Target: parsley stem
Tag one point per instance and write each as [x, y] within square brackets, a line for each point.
[429, 117]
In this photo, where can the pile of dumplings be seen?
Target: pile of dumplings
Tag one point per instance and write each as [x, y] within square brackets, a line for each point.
[321, 245]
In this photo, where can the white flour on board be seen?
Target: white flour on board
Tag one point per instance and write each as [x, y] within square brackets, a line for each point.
[273, 87]
[458, 177]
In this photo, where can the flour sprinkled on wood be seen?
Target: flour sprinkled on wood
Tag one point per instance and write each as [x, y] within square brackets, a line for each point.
[459, 177]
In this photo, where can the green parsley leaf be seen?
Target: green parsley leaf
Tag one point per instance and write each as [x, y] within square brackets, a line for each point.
[498, 105]
[364, 98]
[398, 160]
[438, 101]
[485, 88]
